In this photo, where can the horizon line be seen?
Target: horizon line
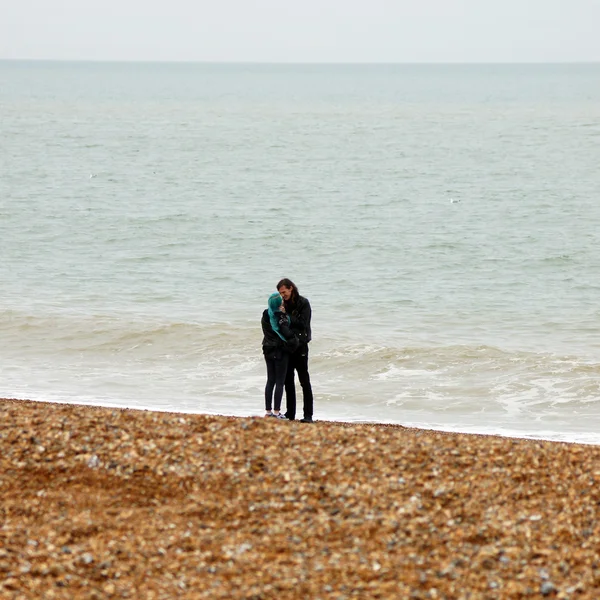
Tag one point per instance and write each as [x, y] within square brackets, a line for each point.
[296, 63]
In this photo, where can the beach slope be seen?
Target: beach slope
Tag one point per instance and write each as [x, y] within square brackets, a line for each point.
[111, 503]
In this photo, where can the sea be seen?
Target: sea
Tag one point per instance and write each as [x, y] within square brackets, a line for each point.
[442, 219]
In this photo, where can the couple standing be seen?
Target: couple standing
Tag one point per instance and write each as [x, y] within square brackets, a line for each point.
[286, 333]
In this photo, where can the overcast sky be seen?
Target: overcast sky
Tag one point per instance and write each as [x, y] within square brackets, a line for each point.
[302, 31]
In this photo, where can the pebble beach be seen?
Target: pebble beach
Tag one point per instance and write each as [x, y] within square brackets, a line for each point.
[118, 503]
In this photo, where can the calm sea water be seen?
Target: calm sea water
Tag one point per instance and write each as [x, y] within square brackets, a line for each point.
[443, 221]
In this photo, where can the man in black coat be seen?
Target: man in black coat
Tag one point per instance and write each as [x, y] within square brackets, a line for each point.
[299, 311]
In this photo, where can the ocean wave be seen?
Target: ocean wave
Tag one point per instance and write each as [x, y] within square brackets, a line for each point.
[208, 366]
[104, 334]
[445, 378]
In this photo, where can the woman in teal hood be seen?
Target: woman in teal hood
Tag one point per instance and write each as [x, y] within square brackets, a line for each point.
[278, 342]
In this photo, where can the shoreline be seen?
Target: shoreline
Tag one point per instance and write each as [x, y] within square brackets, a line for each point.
[505, 435]
[104, 502]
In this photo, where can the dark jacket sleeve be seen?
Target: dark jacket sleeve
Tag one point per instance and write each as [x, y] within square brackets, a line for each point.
[301, 315]
[284, 327]
[266, 326]
[270, 338]
[292, 342]
[272, 341]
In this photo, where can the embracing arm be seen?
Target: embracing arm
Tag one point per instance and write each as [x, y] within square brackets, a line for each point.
[284, 327]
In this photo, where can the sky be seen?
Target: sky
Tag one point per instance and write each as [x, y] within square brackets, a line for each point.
[347, 31]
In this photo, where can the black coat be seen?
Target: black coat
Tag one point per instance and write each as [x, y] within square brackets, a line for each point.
[300, 313]
[271, 341]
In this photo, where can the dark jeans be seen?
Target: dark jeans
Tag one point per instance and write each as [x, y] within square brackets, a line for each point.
[277, 366]
[298, 362]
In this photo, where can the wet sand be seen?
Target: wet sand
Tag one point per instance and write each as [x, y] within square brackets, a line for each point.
[110, 503]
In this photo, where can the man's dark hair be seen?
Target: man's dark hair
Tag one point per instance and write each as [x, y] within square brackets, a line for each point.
[288, 283]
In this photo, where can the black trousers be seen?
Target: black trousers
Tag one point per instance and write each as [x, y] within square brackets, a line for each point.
[277, 366]
[298, 362]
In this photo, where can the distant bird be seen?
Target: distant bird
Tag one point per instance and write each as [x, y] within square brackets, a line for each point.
[92, 175]
[453, 201]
